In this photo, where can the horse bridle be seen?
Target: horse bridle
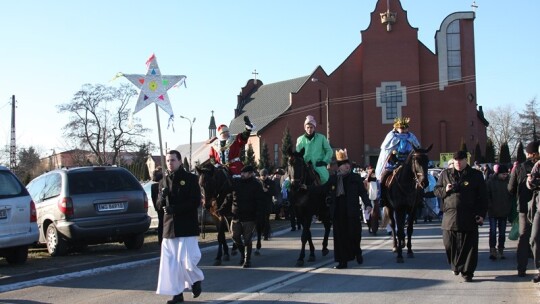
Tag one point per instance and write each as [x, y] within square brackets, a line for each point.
[416, 173]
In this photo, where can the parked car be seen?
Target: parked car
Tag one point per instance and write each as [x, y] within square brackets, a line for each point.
[18, 228]
[89, 205]
[208, 219]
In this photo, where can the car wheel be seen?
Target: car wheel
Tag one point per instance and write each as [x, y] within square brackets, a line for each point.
[134, 242]
[17, 255]
[56, 245]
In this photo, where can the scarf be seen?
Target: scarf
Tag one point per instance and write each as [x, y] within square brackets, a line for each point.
[340, 190]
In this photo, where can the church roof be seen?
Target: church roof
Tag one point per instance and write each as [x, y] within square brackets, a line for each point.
[267, 103]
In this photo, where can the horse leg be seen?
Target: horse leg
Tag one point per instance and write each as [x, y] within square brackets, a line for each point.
[304, 239]
[400, 223]
[410, 230]
[307, 228]
[221, 239]
[259, 230]
[327, 225]
[392, 217]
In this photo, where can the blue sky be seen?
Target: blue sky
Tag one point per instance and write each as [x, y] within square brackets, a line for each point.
[51, 48]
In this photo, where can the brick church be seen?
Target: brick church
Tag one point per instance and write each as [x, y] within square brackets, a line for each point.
[389, 74]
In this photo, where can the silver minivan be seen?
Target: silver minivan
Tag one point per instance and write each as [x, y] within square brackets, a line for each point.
[89, 205]
[18, 228]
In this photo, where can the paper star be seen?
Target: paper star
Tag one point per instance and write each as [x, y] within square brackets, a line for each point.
[154, 86]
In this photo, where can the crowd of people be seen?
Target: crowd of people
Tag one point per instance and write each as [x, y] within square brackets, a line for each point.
[464, 195]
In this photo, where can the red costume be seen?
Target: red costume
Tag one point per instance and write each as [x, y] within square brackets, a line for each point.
[227, 151]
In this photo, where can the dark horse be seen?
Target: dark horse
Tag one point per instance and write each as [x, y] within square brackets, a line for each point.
[307, 202]
[405, 193]
[216, 185]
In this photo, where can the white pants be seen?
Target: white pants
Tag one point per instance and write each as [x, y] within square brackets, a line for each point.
[178, 265]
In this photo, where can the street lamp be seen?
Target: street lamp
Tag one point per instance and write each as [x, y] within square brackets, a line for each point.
[327, 107]
[190, 136]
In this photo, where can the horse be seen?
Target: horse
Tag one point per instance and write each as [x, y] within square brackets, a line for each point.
[405, 194]
[216, 185]
[307, 202]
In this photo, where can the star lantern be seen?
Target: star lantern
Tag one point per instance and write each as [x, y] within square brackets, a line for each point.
[154, 86]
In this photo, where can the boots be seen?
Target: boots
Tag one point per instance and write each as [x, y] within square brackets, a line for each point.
[492, 253]
[247, 262]
[501, 254]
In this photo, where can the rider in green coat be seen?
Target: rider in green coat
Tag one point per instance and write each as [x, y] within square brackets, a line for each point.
[316, 147]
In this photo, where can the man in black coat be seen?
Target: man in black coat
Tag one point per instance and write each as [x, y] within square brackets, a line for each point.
[179, 197]
[518, 186]
[345, 190]
[464, 205]
[248, 207]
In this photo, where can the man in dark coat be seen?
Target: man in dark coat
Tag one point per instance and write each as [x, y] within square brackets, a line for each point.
[179, 197]
[518, 186]
[248, 207]
[345, 190]
[464, 205]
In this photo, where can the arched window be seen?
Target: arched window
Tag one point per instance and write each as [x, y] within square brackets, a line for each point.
[454, 51]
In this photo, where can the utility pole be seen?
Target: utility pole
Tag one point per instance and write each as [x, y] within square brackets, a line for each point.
[12, 147]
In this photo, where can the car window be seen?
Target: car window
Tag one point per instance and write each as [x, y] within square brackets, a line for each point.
[101, 181]
[10, 186]
[52, 186]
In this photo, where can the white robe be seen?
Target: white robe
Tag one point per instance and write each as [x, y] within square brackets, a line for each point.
[178, 265]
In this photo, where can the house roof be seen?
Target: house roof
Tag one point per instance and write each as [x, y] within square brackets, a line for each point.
[199, 151]
[267, 103]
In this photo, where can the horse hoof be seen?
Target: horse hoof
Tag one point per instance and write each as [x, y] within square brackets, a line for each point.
[311, 258]
[226, 258]
[400, 260]
[299, 263]
[410, 254]
[325, 252]
[257, 252]
[217, 262]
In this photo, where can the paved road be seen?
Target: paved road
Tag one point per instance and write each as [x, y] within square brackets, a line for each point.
[423, 279]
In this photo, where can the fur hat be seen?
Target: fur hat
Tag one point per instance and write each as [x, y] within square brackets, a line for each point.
[502, 169]
[248, 168]
[341, 157]
[460, 155]
[222, 129]
[401, 122]
[310, 120]
[532, 147]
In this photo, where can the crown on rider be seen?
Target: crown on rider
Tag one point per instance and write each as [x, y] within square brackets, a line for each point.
[401, 122]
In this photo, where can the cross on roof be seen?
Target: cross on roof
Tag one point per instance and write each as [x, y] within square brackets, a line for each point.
[255, 75]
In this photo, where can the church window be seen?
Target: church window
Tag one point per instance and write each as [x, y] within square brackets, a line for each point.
[391, 97]
[454, 51]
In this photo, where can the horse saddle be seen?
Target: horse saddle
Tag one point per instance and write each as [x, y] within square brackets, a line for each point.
[390, 180]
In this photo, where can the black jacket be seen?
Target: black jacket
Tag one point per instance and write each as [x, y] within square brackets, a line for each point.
[185, 198]
[248, 200]
[353, 185]
[518, 184]
[462, 205]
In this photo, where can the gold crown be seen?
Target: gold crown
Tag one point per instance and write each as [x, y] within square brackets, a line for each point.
[341, 155]
[401, 122]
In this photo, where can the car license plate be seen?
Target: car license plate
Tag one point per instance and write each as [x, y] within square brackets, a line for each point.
[110, 206]
[3, 214]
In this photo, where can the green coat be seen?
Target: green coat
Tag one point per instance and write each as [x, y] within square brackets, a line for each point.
[316, 150]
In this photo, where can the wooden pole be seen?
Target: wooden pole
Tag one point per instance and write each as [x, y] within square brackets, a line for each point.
[161, 155]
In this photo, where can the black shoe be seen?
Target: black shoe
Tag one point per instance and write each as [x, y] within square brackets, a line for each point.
[467, 277]
[196, 289]
[359, 259]
[521, 273]
[247, 264]
[179, 298]
[455, 272]
[293, 229]
[536, 278]
[340, 266]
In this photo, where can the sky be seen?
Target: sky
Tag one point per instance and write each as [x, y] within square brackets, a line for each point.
[51, 49]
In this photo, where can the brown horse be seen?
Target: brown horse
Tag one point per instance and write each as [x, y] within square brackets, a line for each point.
[216, 186]
[307, 202]
[405, 194]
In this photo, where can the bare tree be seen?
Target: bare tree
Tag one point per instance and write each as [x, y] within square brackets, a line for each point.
[99, 121]
[503, 127]
[529, 126]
